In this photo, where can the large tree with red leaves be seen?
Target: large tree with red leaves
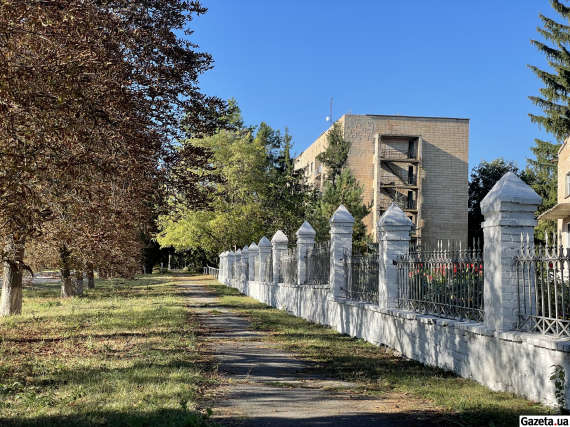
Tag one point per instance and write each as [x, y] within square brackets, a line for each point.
[94, 95]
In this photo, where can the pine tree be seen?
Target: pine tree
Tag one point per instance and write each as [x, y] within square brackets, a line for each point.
[554, 101]
[336, 154]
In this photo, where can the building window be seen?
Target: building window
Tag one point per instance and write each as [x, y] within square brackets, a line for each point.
[567, 184]
[311, 167]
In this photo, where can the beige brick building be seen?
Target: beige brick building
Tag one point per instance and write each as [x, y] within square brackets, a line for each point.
[561, 211]
[420, 163]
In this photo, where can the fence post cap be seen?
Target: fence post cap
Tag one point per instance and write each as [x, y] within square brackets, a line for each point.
[509, 189]
[245, 250]
[342, 216]
[253, 247]
[238, 252]
[231, 254]
[306, 230]
[394, 216]
[264, 242]
[279, 237]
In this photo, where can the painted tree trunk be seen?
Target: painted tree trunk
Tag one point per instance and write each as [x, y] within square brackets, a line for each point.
[66, 284]
[90, 275]
[79, 282]
[11, 301]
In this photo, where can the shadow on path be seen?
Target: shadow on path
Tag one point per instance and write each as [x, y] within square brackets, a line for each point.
[263, 385]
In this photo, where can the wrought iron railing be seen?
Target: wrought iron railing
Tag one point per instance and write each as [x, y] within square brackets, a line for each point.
[256, 269]
[212, 271]
[269, 268]
[442, 282]
[361, 276]
[318, 264]
[288, 270]
[399, 179]
[394, 154]
[543, 289]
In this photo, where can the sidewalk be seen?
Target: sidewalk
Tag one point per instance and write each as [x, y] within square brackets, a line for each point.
[266, 386]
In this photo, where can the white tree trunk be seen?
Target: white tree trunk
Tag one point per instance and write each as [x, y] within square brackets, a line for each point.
[11, 300]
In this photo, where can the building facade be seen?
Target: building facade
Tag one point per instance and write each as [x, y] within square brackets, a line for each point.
[561, 211]
[419, 163]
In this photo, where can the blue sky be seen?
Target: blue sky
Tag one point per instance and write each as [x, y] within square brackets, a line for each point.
[283, 61]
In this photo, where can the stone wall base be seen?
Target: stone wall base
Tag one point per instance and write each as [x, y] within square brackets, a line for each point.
[503, 361]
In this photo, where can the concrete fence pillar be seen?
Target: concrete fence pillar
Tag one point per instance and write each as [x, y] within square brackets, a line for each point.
[231, 261]
[341, 244]
[509, 212]
[393, 231]
[237, 271]
[305, 241]
[279, 243]
[222, 267]
[264, 253]
[245, 263]
[253, 255]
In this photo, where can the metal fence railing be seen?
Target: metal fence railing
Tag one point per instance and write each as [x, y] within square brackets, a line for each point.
[543, 289]
[288, 270]
[361, 276]
[399, 179]
[256, 269]
[212, 271]
[318, 264]
[442, 282]
[269, 268]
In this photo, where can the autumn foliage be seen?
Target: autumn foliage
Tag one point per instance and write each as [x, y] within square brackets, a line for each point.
[94, 95]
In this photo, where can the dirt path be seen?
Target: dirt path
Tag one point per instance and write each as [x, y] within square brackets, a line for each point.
[264, 385]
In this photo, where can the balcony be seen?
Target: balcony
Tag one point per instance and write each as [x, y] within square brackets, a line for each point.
[391, 155]
[405, 205]
[399, 180]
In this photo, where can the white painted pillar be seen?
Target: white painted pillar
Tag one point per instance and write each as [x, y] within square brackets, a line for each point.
[238, 265]
[253, 255]
[279, 243]
[222, 270]
[231, 260]
[341, 238]
[305, 240]
[245, 264]
[393, 234]
[264, 253]
[509, 212]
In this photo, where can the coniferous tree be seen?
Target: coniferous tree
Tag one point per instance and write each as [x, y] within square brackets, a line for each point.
[335, 156]
[554, 101]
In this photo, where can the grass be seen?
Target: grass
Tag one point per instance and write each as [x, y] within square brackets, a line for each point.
[379, 370]
[125, 354]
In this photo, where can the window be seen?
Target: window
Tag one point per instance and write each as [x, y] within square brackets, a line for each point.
[311, 167]
[567, 184]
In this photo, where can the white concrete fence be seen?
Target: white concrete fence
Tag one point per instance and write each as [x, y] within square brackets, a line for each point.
[491, 352]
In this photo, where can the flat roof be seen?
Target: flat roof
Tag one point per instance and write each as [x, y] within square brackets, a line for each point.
[410, 117]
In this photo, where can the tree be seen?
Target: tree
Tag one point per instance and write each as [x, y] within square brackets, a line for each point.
[335, 156]
[347, 191]
[483, 177]
[92, 97]
[554, 101]
[257, 194]
[340, 188]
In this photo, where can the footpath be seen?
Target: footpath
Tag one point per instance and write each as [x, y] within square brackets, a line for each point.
[263, 385]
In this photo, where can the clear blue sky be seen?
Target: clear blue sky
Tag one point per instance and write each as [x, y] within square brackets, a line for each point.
[283, 61]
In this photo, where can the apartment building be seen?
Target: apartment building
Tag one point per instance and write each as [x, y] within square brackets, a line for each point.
[419, 163]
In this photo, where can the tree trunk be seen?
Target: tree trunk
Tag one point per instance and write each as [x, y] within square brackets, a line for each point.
[79, 282]
[11, 301]
[90, 275]
[66, 285]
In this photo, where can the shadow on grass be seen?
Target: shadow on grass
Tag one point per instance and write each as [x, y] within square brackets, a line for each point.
[380, 369]
[160, 417]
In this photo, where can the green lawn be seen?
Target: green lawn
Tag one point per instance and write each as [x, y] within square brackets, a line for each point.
[125, 354]
[378, 370]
